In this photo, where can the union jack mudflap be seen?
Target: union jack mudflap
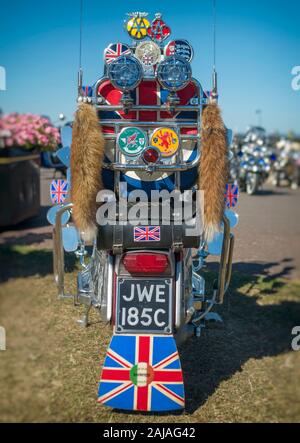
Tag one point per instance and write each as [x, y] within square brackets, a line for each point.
[142, 373]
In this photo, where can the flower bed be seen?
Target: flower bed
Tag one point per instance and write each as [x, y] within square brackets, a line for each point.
[23, 137]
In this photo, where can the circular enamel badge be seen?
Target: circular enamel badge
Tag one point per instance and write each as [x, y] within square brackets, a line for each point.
[115, 50]
[148, 53]
[137, 27]
[166, 140]
[181, 48]
[132, 141]
[159, 31]
[141, 375]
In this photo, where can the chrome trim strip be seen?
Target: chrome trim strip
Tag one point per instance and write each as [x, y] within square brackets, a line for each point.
[178, 294]
[110, 282]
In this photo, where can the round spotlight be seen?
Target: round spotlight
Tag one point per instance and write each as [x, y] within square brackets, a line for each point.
[174, 73]
[125, 73]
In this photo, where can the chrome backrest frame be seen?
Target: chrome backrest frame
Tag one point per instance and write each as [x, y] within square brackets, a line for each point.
[179, 165]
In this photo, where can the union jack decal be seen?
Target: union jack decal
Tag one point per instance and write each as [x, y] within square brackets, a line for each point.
[142, 373]
[146, 233]
[114, 51]
[59, 191]
[231, 196]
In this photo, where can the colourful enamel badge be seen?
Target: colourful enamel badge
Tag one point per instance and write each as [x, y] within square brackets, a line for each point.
[142, 373]
[138, 25]
[115, 50]
[181, 48]
[159, 31]
[148, 53]
[166, 140]
[132, 141]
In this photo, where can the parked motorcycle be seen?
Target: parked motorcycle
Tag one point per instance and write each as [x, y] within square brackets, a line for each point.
[286, 165]
[143, 276]
[254, 161]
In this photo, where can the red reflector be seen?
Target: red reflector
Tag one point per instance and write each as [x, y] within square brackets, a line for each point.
[146, 263]
[151, 155]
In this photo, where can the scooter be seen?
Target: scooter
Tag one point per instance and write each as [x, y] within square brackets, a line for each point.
[134, 182]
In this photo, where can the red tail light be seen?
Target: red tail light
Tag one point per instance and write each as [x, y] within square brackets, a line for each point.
[146, 263]
[151, 155]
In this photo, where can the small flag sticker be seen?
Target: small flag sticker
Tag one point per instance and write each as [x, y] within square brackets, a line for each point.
[231, 196]
[59, 191]
[147, 234]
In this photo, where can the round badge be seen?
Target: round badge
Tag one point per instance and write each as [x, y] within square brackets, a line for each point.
[166, 140]
[137, 27]
[159, 31]
[132, 141]
[142, 375]
[181, 48]
[148, 53]
[115, 50]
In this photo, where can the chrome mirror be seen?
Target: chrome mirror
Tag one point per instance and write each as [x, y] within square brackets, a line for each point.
[70, 238]
[51, 215]
[233, 218]
[66, 135]
[64, 155]
[215, 246]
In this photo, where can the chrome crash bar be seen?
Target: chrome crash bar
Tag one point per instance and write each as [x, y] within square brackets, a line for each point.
[58, 252]
[225, 268]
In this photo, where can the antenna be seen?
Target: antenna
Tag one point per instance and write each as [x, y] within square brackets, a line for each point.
[80, 71]
[214, 75]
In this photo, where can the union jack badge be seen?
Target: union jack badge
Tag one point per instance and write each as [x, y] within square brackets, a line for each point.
[147, 233]
[158, 30]
[115, 50]
[231, 196]
[59, 190]
[142, 373]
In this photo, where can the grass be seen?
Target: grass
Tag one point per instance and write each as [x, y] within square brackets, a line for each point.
[241, 371]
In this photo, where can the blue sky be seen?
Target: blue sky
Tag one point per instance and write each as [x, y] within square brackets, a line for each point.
[258, 43]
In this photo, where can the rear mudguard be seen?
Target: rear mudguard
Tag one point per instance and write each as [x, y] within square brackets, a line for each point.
[142, 373]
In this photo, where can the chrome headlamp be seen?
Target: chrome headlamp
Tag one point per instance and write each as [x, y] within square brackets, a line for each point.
[174, 73]
[125, 73]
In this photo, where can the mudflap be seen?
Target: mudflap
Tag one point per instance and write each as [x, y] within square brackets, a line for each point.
[142, 373]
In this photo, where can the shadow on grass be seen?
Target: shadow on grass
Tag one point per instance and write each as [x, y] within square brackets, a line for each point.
[250, 331]
[22, 261]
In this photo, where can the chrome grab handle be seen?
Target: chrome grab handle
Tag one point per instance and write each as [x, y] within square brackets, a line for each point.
[58, 252]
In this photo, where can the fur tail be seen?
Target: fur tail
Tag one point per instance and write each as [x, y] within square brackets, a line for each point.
[213, 172]
[87, 155]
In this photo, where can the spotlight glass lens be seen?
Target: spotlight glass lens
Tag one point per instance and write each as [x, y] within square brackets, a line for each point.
[174, 73]
[125, 73]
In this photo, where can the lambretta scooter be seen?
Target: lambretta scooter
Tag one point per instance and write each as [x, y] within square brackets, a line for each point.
[134, 182]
